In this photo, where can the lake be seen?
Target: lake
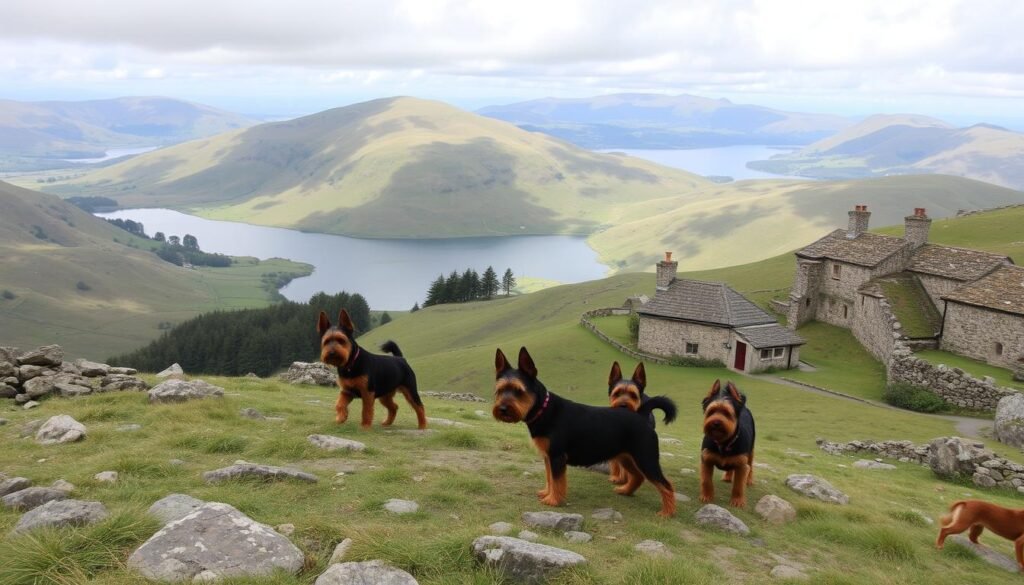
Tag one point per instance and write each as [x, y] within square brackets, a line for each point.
[114, 153]
[391, 274]
[725, 161]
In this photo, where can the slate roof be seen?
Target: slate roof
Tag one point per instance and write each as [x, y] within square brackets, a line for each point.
[955, 263]
[705, 302]
[775, 335]
[867, 249]
[1002, 290]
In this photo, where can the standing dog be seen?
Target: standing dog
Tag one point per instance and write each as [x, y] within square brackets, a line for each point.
[728, 443]
[366, 376]
[629, 394]
[569, 433]
[978, 516]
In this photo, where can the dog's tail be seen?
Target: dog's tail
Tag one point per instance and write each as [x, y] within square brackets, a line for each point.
[392, 348]
[663, 403]
[954, 511]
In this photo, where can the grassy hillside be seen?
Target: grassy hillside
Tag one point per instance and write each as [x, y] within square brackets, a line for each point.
[38, 134]
[899, 145]
[390, 168]
[467, 478]
[48, 247]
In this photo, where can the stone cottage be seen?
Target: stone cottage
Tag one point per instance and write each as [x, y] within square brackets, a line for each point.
[710, 321]
[839, 280]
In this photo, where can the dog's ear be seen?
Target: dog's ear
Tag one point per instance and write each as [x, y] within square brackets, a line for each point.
[526, 363]
[500, 362]
[738, 396]
[715, 389]
[323, 323]
[640, 376]
[345, 322]
[614, 376]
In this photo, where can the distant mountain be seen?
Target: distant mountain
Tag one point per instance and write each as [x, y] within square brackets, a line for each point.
[33, 134]
[906, 144]
[661, 121]
[397, 167]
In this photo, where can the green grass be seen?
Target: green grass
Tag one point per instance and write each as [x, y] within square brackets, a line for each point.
[975, 368]
[912, 306]
[841, 362]
[616, 327]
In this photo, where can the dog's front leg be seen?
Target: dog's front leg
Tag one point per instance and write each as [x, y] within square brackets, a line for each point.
[739, 484]
[707, 480]
[558, 482]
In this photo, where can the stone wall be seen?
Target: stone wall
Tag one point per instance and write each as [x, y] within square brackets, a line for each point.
[638, 355]
[974, 332]
[874, 327]
[936, 287]
[669, 338]
[951, 384]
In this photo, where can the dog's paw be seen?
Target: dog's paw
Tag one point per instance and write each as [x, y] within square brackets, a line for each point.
[551, 501]
[705, 498]
[665, 514]
[738, 502]
[541, 494]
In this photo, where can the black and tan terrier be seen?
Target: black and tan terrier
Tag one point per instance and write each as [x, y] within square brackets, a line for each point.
[728, 443]
[628, 393]
[569, 433]
[977, 515]
[367, 376]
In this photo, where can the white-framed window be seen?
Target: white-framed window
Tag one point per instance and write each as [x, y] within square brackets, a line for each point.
[778, 352]
[773, 353]
[766, 354]
[691, 348]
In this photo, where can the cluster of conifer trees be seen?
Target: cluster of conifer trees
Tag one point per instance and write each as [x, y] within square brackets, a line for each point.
[234, 343]
[469, 286]
[174, 249]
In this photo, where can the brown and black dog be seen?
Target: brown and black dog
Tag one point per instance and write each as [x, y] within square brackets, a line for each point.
[367, 376]
[978, 515]
[728, 443]
[628, 393]
[569, 433]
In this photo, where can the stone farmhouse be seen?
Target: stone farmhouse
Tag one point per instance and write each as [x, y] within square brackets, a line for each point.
[974, 299]
[710, 321]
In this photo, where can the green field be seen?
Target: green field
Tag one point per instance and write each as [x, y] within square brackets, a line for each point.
[465, 479]
[840, 362]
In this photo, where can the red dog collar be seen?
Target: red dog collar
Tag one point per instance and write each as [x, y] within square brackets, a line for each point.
[547, 398]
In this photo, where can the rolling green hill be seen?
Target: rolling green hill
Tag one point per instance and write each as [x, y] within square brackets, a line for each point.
[390, 168]
[904, 144]
[38, 134]
[77, 280]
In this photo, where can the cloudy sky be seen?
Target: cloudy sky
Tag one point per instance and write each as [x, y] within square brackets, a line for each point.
[956, 59]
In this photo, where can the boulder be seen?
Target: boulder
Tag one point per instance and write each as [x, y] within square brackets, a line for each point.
[172, 370]
[174, 507]
[522, 561]
[106, 477]
[1009, 423]
[7, 369]
[577, 537]
[553, 521]
[606, 514]
[48, 355]
[9, 354]
[264, 472]
[71, 390]
[396, 506]
[950, 457]
[182, 391]
[121, 382]
[92, 369]
[331, 443]
[340, 551]
[652, 548]
[26, 373]
[219, 539]
[63, 485]
[815, 487]
[528, 535]
[58, 513]
[40, 386]
[875, 465]
[775, 510]
[14, 484]
[123, 371]
[32, 497]
[60, 429]
[7, 391]
[720, 518]
[315, 373]
[364, 573]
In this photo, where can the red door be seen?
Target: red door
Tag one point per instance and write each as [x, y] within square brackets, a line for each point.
[741, 356]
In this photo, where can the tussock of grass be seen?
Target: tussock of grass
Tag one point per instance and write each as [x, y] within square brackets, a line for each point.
[459, 439]
[912, 518]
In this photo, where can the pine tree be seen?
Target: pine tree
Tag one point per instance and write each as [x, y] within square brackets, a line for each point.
[435, 293]
[385, 318]
[415, 307]
[451, 288]
[508, 281]
[489, 284]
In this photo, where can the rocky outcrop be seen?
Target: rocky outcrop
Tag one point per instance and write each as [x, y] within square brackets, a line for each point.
[48, 355]
[59, 513]
[1009, 423]
[522, 561]
[32, 376]
[183, 391]
[174, 507]
[244, 469]
[32, 497]
[315, 373]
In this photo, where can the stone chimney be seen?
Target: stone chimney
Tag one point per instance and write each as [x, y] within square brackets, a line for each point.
[916, 227]
[666, 272]
[858, 221]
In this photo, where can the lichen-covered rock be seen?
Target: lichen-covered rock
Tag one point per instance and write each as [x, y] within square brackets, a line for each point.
[553, 521]
[175, 507]
[522, 561]
[365, 573]
[121, 382]
[315, 373]
[950, 457]
[32, 497]
[331, 443]
[48, 355]
[58, 513]
[171, 371]
[817, 488]
[720, 518]
[1009, 422]
[60, 429]
[396, 506]
[253, 470]
[775, 510]
[182, 391]
[14, 484]
[92, 369]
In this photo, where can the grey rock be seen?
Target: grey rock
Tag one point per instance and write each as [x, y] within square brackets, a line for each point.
[815, 487]
[681, 497]
[32, 497]
[106, 477]
[340, 551]
[22, 399]
[331, 443]
[606, 514]
[48, 355]
[787, 572]
[182, 391]
[14, 484]
[986, 481]
[62, 485]
[251, 413]
[60, 429]
[522, 561]
[123, 371]
[30, 405]
[577, 537]
[71, 390]
[216, 538]
[1009, 421]
[652, 548]
[315, 373]
[265, 472]
[121, 383]
[9, 354]
[869, 464]
[92, 369]
[718, 517]
[7, 369]
[172, 370]
[986, 554]
[58, 513]
[69, 368]
[528, 535]
[7, 391]
[396, 506]
[26, 373]
[375, 572]
[950, 457]
[175, 507]
[775, 510]
[500, 528]
[252, 375]
[553, 521]
[40, 386]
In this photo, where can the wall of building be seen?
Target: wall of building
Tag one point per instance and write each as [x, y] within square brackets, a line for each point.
[669, 338]
[803, 297]
[936, 287]
[754, 362]
[874, 327]
[974, 332]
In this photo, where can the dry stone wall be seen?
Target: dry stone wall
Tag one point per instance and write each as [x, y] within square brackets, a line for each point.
[951, 384]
